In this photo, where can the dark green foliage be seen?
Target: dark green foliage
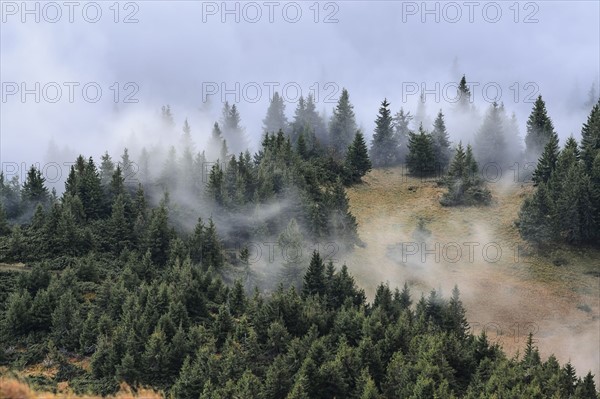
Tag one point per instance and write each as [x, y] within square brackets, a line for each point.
[547, 161]
[565, 205]
[34, 190]
[342, 126]
[357, 162]
[465, 186]
[384, 146]
[421, 157]
[151, 300]
[590, 137]
[314, 279]
[275, 119]
[540, 129]
[464, 99]
[441, 143]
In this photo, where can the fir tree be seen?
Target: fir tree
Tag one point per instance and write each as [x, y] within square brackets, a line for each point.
[34, 189]
[441, 143]
[343, 125]
[420, 158]
[314, 279]
[540, 129]
[275, 119]
[402, 121]
[464, 95]
[384, 148]
[590, 137]
[490, 143]
[547, 162]
[357, 163]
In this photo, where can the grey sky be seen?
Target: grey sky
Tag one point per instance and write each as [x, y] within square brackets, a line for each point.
[376, 49]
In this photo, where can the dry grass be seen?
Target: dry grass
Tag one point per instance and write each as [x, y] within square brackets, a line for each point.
[517, 294]
[13, 389]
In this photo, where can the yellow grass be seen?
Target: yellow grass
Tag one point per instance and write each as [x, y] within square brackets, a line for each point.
[13, 389]
[509, 298]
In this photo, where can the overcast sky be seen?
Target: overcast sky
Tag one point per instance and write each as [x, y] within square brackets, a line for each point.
[179, 52]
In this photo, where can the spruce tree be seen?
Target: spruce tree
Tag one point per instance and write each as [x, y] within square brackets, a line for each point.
[291, 243]
[441, 143]
[464, 95]
[357, 163]
[275, 119]
[540, 129]
[547, 161]
[342, 126]
[384, 148]
[420, 158]
[402, 121]
[34, 190]
[314, 279]
[490, 143]
[232, 131]
[107, 168]
[590, 137]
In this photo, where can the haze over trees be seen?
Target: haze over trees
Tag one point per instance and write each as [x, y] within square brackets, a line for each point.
[145, 270]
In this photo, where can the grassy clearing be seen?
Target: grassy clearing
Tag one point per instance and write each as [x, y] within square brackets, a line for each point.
[554, 293]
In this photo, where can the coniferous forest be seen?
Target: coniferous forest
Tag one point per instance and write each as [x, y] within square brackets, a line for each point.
[127, 275]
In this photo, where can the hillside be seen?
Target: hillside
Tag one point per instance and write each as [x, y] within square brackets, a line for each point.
[553, 295]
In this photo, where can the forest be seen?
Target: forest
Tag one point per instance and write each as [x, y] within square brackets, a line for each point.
[141, 269]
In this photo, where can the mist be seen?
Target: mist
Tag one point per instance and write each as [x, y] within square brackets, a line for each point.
[101, 85]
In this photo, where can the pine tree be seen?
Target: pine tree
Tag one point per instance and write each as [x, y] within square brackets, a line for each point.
[314, 121]
[342, 126]
[441, 143]
[120, 226]
[490, 143]
[275, 119]
[401, 133]
[357, 163]
[291, 243]
[66, 322]
[384, 148]
[167, 117]
[456, 318]
[314, 279]
[90, 191]
[420, 158]
[215, 184]
[590, 137]
[540, 129]
[465, 187]
[4, 227]
[107, 168]
[464, 99]
[211, 250]
[34, 190]
[127, 169]
[547, 161]
[586, 388]
[342, 224]
[536, 216]
[232, 131]
[158, 235]
[301, 147]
